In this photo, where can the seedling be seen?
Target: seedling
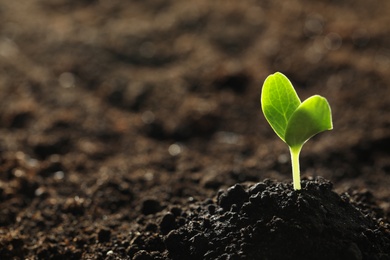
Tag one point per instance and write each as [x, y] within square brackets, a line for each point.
[293, 121]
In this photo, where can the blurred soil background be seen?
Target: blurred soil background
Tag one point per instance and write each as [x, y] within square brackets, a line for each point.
[114, 110]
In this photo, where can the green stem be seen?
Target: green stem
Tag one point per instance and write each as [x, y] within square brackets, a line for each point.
[294, 151]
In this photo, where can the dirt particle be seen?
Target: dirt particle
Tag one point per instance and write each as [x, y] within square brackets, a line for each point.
[167, 223]
[150, 206]
[235, 195]
[142, 255]
[104, 235]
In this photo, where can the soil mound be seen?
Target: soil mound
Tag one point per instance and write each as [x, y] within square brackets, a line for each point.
[269, 220]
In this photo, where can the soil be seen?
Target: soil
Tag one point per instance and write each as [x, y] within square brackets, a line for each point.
[133, 130]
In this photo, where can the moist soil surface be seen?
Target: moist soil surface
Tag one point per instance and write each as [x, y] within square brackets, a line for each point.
[133, 130]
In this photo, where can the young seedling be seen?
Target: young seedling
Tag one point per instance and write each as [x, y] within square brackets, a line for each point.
[293, 121]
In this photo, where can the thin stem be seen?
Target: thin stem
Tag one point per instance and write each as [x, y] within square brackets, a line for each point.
[294, 151]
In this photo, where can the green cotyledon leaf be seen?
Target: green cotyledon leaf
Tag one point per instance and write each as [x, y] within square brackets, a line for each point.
[310, 118]
[294, 122]
[278, 102]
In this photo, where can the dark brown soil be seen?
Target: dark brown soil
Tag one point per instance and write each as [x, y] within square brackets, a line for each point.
[124, 123]
[271, 221]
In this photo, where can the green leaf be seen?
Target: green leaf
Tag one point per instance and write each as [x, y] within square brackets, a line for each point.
[278, 102]
[294, 122]
[310, 118]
